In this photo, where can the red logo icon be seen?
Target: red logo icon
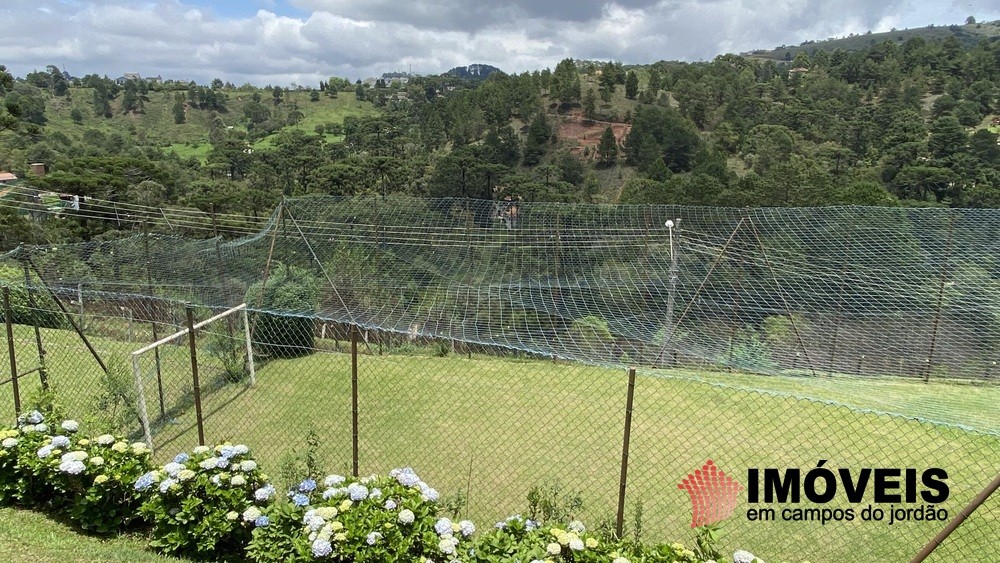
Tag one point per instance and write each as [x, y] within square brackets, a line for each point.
[713, 494]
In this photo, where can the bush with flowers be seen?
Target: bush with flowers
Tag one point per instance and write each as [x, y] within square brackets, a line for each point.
[393, 518]
[520, 539]
[199, 502]
[55, 468]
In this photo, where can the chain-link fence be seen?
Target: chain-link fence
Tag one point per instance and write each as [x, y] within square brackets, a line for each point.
[494, 358]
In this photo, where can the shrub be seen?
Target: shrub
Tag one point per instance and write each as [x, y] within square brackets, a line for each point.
[293, 292]
[519, 539]
[90, 479]
[203, 504]
[45, 313]
[373, 519]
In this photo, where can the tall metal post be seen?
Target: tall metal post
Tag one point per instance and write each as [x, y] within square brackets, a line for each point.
[194, 373]
[42, 375]
[620, 520]
[156, 351]
[8, 317]
[354, 400]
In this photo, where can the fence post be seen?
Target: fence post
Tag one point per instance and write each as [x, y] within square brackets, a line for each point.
[42, 375]
[940, 303]
[152, 315]
[354, 399]
[140, 393]
[8, 317]
[620, 520]
[189, 310]
[246, 334]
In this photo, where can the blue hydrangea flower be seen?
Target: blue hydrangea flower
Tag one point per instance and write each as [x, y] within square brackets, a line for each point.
[307, 486]
[222, 463]
[262, 521]
[182, 457]
[300, 499]
[227, 452]
[144, 482]
[357, 492]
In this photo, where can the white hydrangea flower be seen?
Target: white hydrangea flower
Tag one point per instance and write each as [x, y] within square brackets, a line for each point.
[185, 475]
[251, 514]
[173, 469]
[333, 480]
[9, 442]
[442, 526]
[248, 465]
[96, 461]
[105, 439]
[60, 442]
[238, 480]
[576, 544]
[743, 556]
[200, 450]
[406, 516]
[577, 526]
[553, 548]
[467, 527]
[70, 425]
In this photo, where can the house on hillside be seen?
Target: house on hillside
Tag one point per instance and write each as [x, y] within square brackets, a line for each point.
[797, 71]
[121, 80]
[7, 178]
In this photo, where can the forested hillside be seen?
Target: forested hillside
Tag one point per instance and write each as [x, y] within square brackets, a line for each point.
[911, 123]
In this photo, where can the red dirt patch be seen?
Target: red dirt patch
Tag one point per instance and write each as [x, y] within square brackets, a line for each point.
[587, 133]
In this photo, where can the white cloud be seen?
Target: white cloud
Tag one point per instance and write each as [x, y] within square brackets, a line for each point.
[357, 38]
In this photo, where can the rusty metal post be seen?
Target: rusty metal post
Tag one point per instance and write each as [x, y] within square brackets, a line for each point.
[8, 317]
[929, 363]
[354, 400]
[194, 373]
[958, 520]
[42, 374]
[620, 520]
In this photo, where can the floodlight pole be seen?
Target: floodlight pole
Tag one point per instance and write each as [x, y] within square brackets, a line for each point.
[669, 326]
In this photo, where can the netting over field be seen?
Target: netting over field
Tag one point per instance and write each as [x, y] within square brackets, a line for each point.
[824, 292]
[494, 337]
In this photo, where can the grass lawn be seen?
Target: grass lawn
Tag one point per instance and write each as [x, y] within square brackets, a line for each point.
[35, 537]
[494, 427]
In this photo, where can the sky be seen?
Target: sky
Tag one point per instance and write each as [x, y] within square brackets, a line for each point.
[300, 42]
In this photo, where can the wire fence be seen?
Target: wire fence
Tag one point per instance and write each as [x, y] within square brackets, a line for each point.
[499, 378]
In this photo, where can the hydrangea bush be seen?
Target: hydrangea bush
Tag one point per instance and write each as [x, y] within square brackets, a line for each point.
[199, 502]
[519, 539]
[373, 519]
[52, 467]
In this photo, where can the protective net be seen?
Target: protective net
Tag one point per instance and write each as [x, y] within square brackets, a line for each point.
[494, 336]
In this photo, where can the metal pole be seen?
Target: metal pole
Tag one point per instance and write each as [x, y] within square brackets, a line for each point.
[958, 520]
[189, 310]
[140, 395]
[940, 302]
[669, 326]
[246, 333]
[69, 318]
[156, 351]
[8, 317]
[42, 376]
[620, 520]
[354, 399]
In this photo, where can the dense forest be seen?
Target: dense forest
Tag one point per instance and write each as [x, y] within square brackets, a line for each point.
[909, 123]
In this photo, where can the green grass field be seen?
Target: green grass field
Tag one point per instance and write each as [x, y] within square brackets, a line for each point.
[31, 536]
[494, 427]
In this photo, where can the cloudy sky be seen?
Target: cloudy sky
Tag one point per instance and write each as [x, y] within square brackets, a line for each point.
[303, 41]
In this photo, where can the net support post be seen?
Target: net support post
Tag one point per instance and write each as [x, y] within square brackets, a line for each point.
[192, 343]
[140, 395]
[620, 518]
[354, 400]
[246, 334]
[8, 321]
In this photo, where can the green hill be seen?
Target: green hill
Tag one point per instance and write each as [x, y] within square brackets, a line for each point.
[968, 35]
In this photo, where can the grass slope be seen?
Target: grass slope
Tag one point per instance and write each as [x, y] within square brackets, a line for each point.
[155, 125]
[494, 427]
[30, 536]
